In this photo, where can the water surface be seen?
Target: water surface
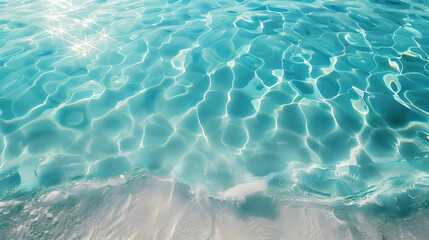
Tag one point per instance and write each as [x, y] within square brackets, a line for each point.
[200, 119]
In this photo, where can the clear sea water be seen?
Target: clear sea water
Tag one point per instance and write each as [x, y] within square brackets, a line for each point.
[214, 119]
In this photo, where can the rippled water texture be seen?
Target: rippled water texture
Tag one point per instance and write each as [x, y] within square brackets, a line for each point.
[197, 119]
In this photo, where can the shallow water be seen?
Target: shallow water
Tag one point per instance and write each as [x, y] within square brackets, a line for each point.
[257, 110]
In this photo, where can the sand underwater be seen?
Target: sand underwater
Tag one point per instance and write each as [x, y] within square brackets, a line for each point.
[214, 119]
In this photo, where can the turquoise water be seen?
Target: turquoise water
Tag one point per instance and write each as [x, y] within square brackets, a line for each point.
[237, 108]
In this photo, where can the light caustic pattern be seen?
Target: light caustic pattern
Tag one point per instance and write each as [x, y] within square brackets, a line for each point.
[321, 101]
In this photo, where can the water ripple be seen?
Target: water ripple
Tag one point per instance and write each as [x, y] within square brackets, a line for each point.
[319, 99]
